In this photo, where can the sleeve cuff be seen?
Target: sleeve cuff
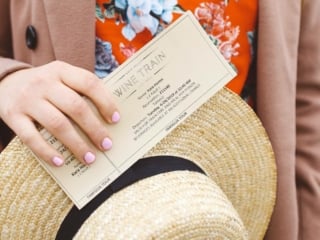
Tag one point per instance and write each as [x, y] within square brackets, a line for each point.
[8, 66]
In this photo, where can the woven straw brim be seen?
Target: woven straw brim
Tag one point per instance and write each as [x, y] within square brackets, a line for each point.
[224, 137]
[174, 205]
[32, 205]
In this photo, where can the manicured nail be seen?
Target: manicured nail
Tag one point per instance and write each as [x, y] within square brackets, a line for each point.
[115, 117]
[89, 157]
[106, 144]
[57, 161]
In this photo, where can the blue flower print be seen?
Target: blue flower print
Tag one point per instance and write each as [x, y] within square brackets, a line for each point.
[105, 60]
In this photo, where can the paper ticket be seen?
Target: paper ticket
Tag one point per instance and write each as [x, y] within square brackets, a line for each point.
[155, 90]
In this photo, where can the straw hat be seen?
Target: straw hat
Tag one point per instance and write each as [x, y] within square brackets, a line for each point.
[232, 199]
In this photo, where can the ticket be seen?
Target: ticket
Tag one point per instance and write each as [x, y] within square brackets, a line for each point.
[155, 90]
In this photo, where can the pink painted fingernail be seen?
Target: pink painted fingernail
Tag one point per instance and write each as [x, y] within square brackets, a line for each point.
[115, 117]
[57, 161]
[106, 143]
[89, 157]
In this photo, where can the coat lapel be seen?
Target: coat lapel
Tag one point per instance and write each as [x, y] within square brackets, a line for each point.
[72, 35]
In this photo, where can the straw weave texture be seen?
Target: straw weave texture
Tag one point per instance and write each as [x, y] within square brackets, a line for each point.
[224, 137]
[32, 205]
[175, 205]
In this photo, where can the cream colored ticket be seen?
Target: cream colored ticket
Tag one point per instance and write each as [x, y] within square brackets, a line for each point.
[156, 89]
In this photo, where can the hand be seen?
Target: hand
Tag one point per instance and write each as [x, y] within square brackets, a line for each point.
[51, 95]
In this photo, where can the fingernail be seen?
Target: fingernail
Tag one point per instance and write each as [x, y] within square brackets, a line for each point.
[89, 157]
[106, 143]
[57, 161]
[115, 117]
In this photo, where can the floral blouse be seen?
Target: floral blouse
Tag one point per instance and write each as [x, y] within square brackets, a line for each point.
[124, 26]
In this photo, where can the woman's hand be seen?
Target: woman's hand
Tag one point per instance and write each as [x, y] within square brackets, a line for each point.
[50, 95]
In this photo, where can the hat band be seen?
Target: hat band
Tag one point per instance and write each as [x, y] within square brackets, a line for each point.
[143, 168]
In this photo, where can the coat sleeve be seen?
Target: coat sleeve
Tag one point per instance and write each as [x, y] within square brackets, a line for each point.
[308, 121]
[7, 63]
[278, 40]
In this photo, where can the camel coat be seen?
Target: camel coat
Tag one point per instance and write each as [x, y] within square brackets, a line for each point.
[288, 81]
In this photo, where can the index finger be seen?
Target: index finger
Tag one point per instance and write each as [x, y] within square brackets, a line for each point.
[89, 85]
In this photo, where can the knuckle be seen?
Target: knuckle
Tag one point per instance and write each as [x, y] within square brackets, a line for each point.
[58, 63]
[92, 83]
[78, 107]
[57, 123]
[40, 76]
[11, 112]
[37, 80]
[26, 137]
